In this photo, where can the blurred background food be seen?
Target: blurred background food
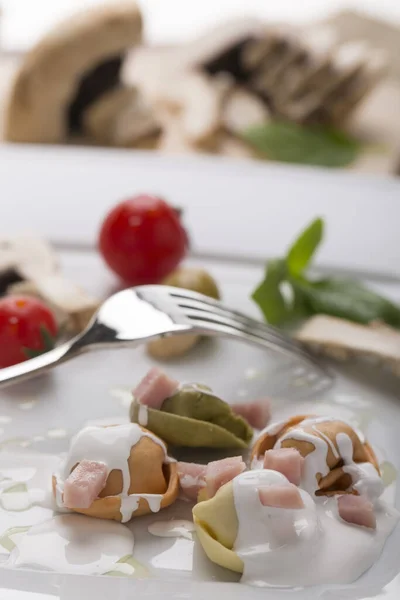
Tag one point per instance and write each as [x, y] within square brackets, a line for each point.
[316, 85]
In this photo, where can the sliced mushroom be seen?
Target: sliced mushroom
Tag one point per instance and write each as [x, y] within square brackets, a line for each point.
[229, 145]
[189, 109]
[69, 297]
[197, 99]
[67, 70]
[173, 139]
[358, 87]
[201, 109]
[301, 74]
[221, 49]
[24, 257]
[243, 110]
[120, 117]
[255, 51]
[343, 340]
[311, 70]
[71, 304]
[28, 288]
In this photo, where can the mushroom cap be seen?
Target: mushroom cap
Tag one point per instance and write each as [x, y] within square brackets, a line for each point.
[149, 475]
[48, 78]
[120, 117]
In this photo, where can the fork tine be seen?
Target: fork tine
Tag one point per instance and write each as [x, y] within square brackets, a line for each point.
[212, 325]
[191, 299]
[230, 318]
[211, 317]
[249, 327]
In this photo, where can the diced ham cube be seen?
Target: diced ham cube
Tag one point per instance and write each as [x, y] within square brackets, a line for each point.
[281, 496]
[222, 471]
[85, 484]
[357, 510]
[257, 414]
[287, 461]
[191, 478]
[154, 388]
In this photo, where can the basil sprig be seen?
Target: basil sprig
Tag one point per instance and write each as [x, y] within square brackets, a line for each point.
[287, 294]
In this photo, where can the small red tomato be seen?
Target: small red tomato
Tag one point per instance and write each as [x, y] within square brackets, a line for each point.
[142, 240]
[27, 328]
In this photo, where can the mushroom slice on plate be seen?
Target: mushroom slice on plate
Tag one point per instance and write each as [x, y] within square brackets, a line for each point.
[67, 70]
[342, 339]
[69, 297]
[23, 257]
[28, 288]
[69, 302]
[120, 117]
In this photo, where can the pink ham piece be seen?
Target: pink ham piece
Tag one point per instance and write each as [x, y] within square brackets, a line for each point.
[84, 484]
[287, 461]
[281, 496]
[357, 510]
[257, 413]
[222, 471]
[154, 388]
[191, 478]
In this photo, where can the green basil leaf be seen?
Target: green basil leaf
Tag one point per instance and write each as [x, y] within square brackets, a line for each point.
[348, 300]
[300, 307]
[292, 143]
[268, 294]
[303, 249]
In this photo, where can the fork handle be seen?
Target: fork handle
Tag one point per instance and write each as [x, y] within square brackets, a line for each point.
[40, 364]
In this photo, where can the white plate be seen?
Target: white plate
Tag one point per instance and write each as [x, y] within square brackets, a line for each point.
[46, 412]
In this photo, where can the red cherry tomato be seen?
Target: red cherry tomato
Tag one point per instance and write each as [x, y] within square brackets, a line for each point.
[142, 240]
[27, 328]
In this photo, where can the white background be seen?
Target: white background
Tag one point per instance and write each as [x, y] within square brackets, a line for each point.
[177, 20]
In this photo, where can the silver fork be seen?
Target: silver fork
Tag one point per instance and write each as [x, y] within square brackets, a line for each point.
[139, 314]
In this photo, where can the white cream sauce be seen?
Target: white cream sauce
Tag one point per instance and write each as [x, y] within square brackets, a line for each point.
[315, 462]
[111, 446]
[26, 481]
[310, 546]
[73, 544]
[143, 415]
[366, 479]
[272, 428]
[174, 528]
[57, 433]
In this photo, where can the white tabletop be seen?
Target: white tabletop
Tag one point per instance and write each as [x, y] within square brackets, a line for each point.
[244, 209]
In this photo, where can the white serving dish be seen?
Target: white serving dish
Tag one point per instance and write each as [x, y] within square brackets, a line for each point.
[96, 386]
